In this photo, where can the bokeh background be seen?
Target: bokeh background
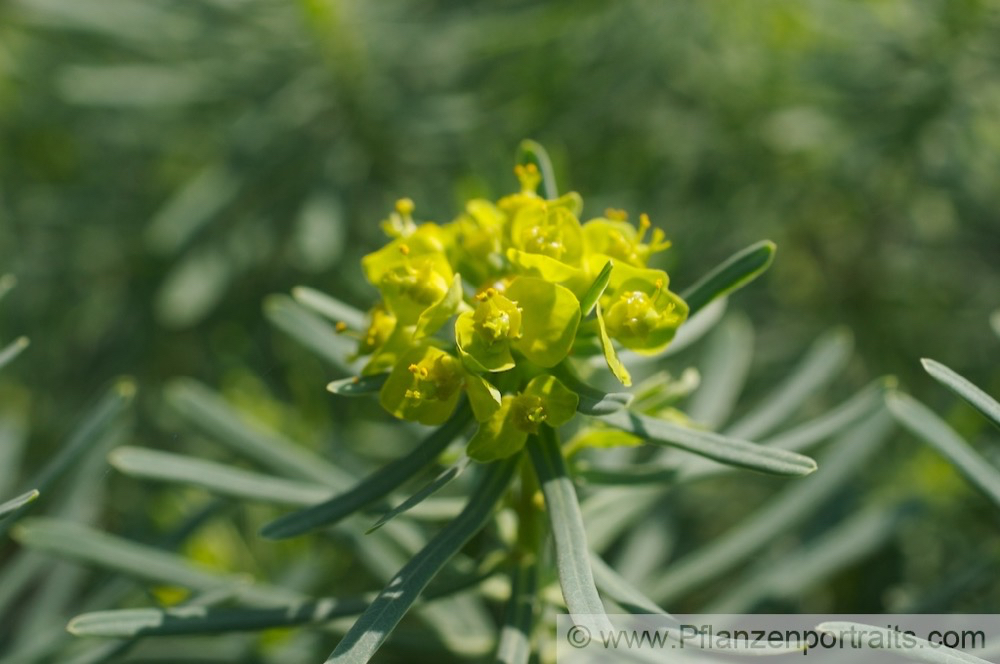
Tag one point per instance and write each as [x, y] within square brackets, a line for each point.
[165, 166]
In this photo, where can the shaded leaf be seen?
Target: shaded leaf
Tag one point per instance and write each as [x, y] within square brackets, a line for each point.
[924, 424]
[825, 359]
[514, 645]
[83, 544]
[784, 512]
[381, 617]
[218, 478]
[212, 416]
[373, 488]
[426, 491]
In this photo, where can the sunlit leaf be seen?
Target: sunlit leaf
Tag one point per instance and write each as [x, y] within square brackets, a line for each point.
[720, 448]
[735, 272]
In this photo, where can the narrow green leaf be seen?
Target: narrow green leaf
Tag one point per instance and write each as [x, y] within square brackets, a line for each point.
[311, 331]
[357, 386]
[12, 350]
[961, 386]
[805, 568]
[8, 509]
[922, 651]
[625, 475]
[566, 520]
[532, 152]
[425, 491]
[514, 646]
[125, 623]
[375, 487]
[806, 435]
[736, 272]
[330, 307]
[825, 359]
[209, 414]
[217, 478]
[596, 290]
[841, 462]
[612, 511]
[930, 428]
[995, 321]
[592, 400]
[382, 616]
[691, 330]
[714, 446]
[83, 544]
[727, 363]
[203, 619]
[13, 437]
[621, 591]
[94, 426]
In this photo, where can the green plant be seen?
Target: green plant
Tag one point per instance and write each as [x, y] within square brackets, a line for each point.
[510, 500]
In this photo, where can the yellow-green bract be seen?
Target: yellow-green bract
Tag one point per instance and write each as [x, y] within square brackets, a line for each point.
[488, 304]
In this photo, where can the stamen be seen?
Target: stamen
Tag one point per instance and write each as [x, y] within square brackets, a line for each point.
[340, 327]
[404, 249]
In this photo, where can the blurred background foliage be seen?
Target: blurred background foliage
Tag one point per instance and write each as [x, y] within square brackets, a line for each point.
[165, 166]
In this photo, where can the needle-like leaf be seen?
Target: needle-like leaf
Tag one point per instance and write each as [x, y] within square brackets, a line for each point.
[825, 359]
[840, 463]
[514, 645]
[9, 509]
[736, 272]
[81, 543]
[720, 448]
[425, 491]
[964, 388]
[329, 307]
[566, 521]
[373, 488]
[12, 350]
[532, 152]
[208, 413]
[924, 424]
[223, 479]
[357, 386]
[310, 330]
[381, 617]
